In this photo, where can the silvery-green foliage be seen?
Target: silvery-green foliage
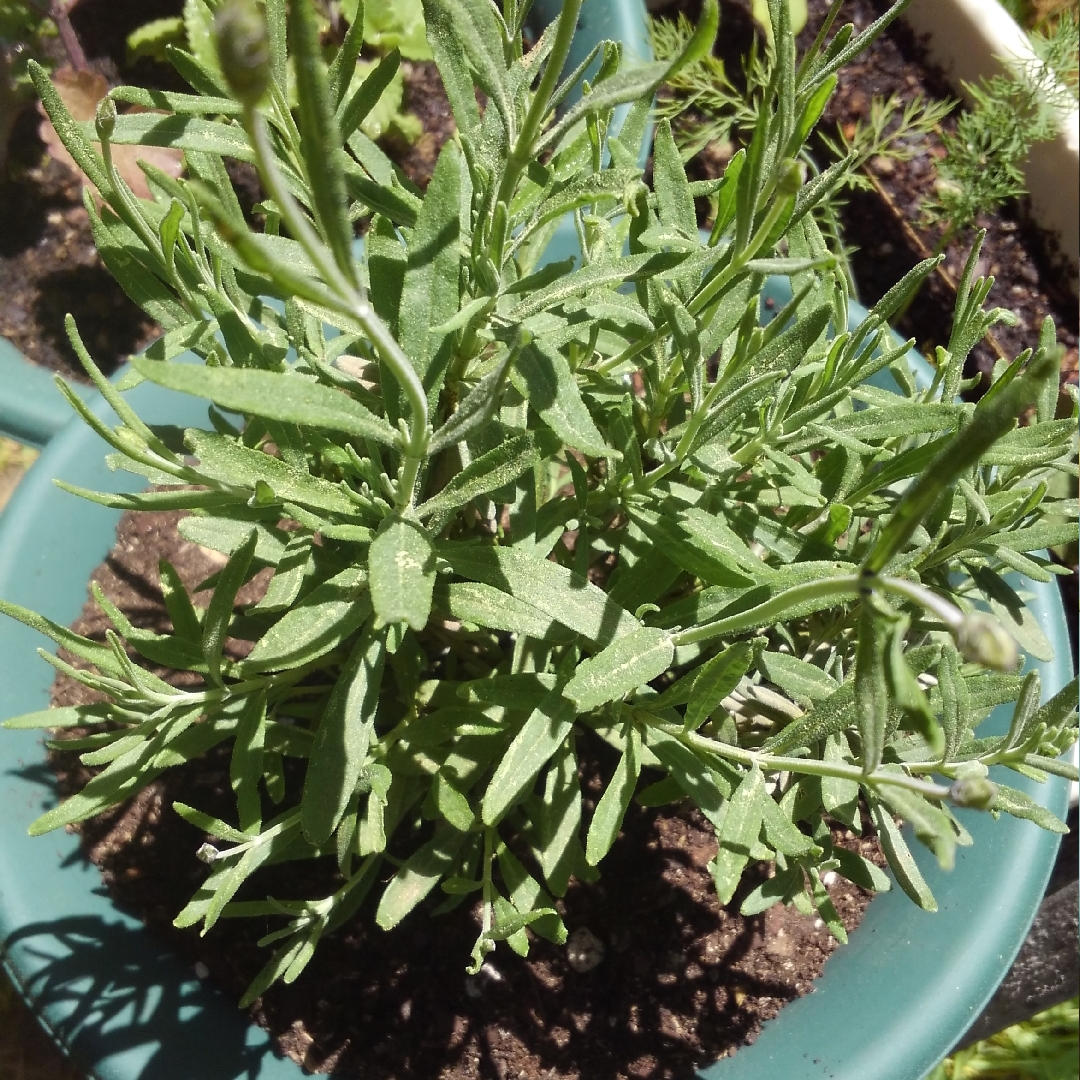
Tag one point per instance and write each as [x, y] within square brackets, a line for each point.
[517, 512]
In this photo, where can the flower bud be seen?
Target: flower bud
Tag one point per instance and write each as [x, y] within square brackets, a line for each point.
[243, 47]
[207, 853]
[791, 177]
[973, 792]
[983, 640]
[105, 118]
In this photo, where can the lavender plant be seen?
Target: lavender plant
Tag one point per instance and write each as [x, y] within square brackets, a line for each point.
[547, 507]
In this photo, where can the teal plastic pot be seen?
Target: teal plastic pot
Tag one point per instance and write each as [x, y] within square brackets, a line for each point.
[888, 1006]
[32, 410]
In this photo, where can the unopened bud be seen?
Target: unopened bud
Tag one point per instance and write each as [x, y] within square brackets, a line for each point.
[983, 640]
[105, 118]
[243, 47]
[207, 853]
[973, 792]
[791, 177]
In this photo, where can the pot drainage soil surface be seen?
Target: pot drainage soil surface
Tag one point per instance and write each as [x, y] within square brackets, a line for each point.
[681, 983]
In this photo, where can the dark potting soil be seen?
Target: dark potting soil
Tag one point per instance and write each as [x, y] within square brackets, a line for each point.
[886, 226]
[682, 981]
[49, 267]
[48, 263]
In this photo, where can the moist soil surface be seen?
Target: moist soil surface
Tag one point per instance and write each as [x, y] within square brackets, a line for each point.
[681, 983]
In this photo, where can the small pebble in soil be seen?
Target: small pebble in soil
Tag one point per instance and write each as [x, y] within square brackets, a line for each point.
[584, 950]
[488, 975]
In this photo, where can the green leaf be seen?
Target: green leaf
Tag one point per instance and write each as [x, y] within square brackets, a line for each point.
[442, 19]
[559, 819]
[871, 687]
[218, 615]
[135, 769]
[183, 132]
[418, 876]
[611, 808]
[932, 825]
[897, 421]
[690, 548]
[429, 293]
[1055, 712]
[473, 602]
[476, 408]
[495, 469]
[545, 586]
[224, 460]
[533, 747]
[320, 622]
[523, 691]
[623, 666]
[227, 534]
[123, 255]
[527, 895]
[342, 739]
[901, 861]
[629, 268]
[401, 562]
[1023, 806]
[543, 376]
[284, 396]
[780, 832]
[994, 416]
[802, 682]
[631, 83]
[839, 797]
[675, 203]
[832, 714]
[907, 694]
[453, 806]
[101, 656]
[713, 681]
[69, 716]
[771, 891]
[860, 870]
[247, 761]
[704, 785]
[208, 824]
[737, 831]
[956, 715]
[291, 569]
[354, 110]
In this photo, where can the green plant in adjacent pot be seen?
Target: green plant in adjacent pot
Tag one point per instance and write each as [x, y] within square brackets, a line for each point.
[544, 507]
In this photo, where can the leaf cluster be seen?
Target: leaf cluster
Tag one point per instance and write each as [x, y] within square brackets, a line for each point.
[520, 514]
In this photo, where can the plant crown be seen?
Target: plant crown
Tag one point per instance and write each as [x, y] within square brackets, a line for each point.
[519, 512]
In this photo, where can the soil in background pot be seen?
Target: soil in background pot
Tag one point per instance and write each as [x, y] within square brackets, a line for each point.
[48, 263]
[680, 982]
[886, 225]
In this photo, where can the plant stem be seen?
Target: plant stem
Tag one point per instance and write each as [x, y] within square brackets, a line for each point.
[354, 303]
[807, 766]
[523, 146]
[842, 587]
